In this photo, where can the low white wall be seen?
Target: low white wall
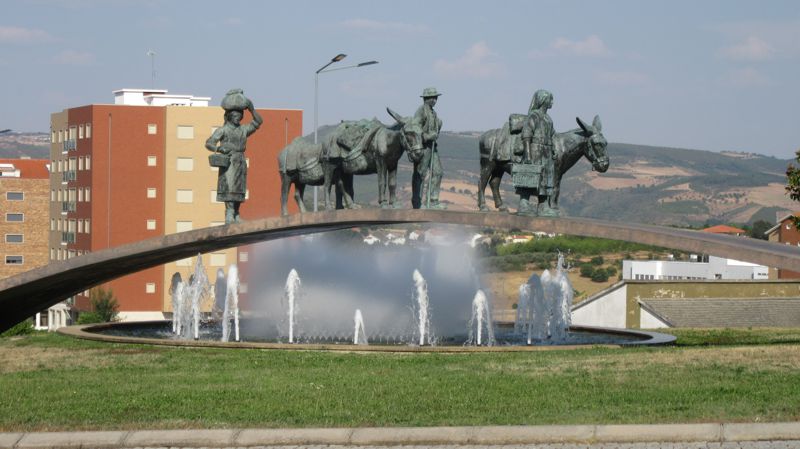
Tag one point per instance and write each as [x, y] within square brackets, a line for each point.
[608, 310]
[649, 321]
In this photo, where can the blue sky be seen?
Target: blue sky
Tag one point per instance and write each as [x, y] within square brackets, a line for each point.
[714, 75]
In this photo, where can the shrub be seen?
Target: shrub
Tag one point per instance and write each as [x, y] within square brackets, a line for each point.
[21, 328]
[587, 271]
[89, 318]
[597, 260]
[104, 304]
[612, 271]
[599, 275]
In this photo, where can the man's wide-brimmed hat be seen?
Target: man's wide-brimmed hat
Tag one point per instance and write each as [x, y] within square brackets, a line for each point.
[430, 92]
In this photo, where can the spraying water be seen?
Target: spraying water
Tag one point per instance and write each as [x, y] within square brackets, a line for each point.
[423, 312]
[543, 310]
[198, 289]
[231, 304]
[359, 335]
[291, 291]
[481, 321]
[176, 292]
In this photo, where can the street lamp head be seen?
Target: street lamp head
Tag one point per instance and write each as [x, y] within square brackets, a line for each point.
[367, 63]
[338, 57]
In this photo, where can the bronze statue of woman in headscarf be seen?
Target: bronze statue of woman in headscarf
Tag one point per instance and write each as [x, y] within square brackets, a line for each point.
[537, 139]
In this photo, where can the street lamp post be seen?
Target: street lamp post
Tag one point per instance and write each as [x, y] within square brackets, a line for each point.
[336, 58]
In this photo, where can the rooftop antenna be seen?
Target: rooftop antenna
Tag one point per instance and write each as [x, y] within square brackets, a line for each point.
[152, 55]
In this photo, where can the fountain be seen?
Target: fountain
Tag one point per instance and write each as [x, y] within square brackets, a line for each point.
[481, 321]
[231, 310]
[422, 308]
[359, 335]
[372, 282]
[291, 292]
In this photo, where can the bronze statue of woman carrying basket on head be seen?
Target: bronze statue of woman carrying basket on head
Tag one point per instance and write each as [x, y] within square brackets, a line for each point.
[228, 144]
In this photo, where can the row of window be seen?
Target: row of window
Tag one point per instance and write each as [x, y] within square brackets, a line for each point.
[180, 226]
[64, 254]
[72, 164]
[81, 226]
[650, 277]
[186, 196]
[80, 131]
[81, 194]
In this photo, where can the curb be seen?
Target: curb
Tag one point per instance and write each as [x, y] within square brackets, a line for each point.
[482, 435]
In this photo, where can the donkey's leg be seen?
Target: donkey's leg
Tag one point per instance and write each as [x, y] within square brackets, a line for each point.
[393, 187]
[330, 173]
[348, 192]
[382, 175]
[299, 190]
[485, 174]
[497, 177]
[285, 185]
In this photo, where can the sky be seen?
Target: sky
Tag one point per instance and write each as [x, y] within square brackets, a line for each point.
[712, 75]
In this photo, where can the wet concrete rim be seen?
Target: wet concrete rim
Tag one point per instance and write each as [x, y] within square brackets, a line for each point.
[89, 332]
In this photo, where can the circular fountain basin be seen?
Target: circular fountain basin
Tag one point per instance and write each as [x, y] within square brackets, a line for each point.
[160, 333]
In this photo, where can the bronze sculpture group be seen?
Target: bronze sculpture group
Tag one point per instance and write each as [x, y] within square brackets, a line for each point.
[526, 147]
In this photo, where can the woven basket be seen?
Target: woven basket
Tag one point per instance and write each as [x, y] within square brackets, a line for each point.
[219, 160]
[355, 162]
[311, 173]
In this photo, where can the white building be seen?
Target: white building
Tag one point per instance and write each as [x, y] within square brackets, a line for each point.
[715, 268]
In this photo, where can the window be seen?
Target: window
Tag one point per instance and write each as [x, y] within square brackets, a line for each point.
[80, 163]
[183, 226]
[88, 130]
[52, 137]
[52, 225]
[151, 192]
[184, 262]
[151, 225]
[60, 136]
[184, 196]
[217, 223]
[244, 256]
[243, 287]
[15, 196]
[14, 260]
[88, 162]
[52, 195]
[80, 226]
[80, 193]
[73, 131]
[185, 164]
[87, 195]
[214, 197]
[150, 287]
[15, 217]
[86, 226]
[151, 161]
[185, 132]
[152, 128]
[217, 260]
[14, 238]
[52, 254]
[80, 131]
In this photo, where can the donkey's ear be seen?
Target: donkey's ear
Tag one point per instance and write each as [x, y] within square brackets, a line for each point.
[583, 126]
[596, 124]
[399, 118]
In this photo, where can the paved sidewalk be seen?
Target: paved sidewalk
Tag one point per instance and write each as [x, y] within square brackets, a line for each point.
[695, 436]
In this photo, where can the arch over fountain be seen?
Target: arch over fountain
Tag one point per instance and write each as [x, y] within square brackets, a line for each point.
[25, 294]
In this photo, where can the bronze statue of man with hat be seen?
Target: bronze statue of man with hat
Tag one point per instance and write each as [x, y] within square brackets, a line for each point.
[427, 177]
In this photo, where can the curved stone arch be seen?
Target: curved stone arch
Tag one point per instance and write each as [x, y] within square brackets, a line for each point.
[25, 294]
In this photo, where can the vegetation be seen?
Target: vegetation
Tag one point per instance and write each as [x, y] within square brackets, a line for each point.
[51, 382]
[104, 307]
[22, 328]
[575, 245]
[793, 184]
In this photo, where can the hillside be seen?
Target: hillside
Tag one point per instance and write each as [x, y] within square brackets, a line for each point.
[668, 186]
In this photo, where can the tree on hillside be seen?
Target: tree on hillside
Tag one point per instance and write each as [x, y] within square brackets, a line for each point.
[759, 229]
[793, 184]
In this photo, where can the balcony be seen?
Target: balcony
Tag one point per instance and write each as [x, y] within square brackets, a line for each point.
[67, 237]
[69, 175]
[68, 206]
[70, 145]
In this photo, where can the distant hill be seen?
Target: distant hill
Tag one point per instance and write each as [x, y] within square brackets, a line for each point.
[15, 145]
[645, 184]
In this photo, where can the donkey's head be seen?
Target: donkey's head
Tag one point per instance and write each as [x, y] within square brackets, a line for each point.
[596, 144]
[411, 133]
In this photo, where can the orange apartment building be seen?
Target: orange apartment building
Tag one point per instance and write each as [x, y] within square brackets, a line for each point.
[24, 193]
[138, 169]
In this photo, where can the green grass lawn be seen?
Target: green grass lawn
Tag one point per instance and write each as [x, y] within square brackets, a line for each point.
[52, 382]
